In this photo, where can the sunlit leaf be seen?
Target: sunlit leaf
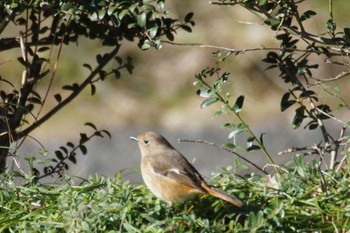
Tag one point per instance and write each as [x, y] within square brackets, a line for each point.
[209, 102]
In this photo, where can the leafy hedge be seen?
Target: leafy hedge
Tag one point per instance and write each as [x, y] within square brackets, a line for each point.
[289, 202]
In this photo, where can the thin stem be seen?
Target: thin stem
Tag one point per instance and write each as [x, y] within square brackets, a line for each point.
[226, 149]
[248, 130]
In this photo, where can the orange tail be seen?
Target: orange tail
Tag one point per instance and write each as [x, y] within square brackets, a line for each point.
[222, 195]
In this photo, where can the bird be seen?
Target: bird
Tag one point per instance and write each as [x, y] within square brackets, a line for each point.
[169, 175]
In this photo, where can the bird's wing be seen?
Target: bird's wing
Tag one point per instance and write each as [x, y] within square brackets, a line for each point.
[176, 167]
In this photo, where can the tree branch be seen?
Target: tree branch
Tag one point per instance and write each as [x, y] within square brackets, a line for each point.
[226, 149]
[72, 96]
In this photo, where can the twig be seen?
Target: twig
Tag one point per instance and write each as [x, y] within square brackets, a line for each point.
[242, 51]
[297, 149]
[223, 148]
[337, 77]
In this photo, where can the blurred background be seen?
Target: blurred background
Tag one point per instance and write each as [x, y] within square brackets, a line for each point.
[159, 95]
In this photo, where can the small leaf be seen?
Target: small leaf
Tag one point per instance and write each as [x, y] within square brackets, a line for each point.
[209, 102]
[107, 133]
[307, 15]
[59, 155]
[101, 14]
[205, 93]
[83, 138]
[43, 49]
[34, 100]
[141, 20]
[186, 28]
[229, 145]
[83, 149]
[271, 57]
[285, 102]
[331, 26]
[347, 33]
[72, 158]
[262, 138]
[90, 125]
[272, 21]
[64, 149]
[239, 104]
[298, 118]
[169, 36]
[239, 129]
[93, 89]
[87, 66]
[147, 44]
[188, 17]
[123, 13]
[93, 16]
[58, 98]
[262, 2]
[153, 32]
[229, 125]
[253, 147]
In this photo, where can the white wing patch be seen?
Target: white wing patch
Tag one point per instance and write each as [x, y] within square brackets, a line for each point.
[174, 170]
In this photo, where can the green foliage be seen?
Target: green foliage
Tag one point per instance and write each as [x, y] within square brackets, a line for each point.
[299, 54]
[212, 92]
[300, 197]
[292, 202]
[45, 28]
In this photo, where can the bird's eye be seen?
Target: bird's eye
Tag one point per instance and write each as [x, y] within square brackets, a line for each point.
[145, 141]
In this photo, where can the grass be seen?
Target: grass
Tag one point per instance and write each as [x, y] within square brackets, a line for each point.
[299, 200]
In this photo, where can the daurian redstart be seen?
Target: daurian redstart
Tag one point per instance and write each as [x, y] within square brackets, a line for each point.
[169, 175]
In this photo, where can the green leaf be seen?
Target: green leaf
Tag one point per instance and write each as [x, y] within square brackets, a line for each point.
[285, 102]
[93, 89]
[43, 49]
[83, 138]
[123, 13]
[59, 155]
[186, 28]
[229, 125]
[93, 16]
[298, 117]
[239, 104]
[331, 26]
[91, 125]
[72, 158]
[262, 2]
[141, 20]
[307, 15]
[239, 129]
[58, 98]
[153, 32]
[188, 17]
[87, 66]
[272, 21]
[205, 93]
[209, 102]
[83, 149]
[229, 145]
[147, 44]
[347, 33]
[101, 14]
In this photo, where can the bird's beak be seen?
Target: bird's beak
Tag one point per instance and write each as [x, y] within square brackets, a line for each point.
[134, 138]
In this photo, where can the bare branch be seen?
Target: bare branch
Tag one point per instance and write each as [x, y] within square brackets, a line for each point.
[224, 148]
[72, 96]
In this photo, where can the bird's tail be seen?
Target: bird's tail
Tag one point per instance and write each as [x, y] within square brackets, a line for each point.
[222, 195]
